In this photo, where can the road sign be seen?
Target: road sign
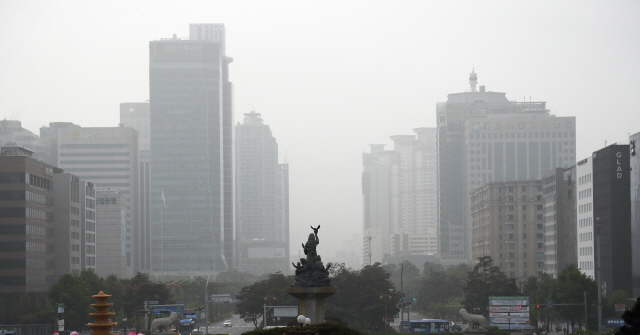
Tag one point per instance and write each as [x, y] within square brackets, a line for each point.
[549, 303]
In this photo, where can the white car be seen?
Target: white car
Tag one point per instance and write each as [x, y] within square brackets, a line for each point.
[227, 323]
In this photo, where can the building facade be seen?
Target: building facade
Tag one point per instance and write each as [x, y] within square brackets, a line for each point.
[376, 195]
[508, 225]
[67, 221]
[108, 158]
[482, 138]
[26, 222]
[136, 115]
[262, 228]
[111, 236]
[584, 214]
[191, 136]
[560, 228]
[634, 141]
[399, 189]
[612, 216]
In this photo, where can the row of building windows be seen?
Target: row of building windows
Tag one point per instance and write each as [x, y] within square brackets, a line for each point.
[585, 236]
[586, 265]
[39, 215]
[39, 264]
[586, 251]
[39, 248]
[39, 182]
[39, 232]
[547, 134]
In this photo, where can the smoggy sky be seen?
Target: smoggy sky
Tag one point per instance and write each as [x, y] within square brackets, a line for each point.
[332, 77]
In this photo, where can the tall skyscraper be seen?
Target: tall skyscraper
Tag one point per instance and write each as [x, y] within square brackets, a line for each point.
[399, 193]
[376, 195]
[191, 136]
[261, 227]
[483, 137]
[136, 116]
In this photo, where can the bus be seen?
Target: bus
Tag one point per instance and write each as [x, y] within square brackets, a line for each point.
[426, 326]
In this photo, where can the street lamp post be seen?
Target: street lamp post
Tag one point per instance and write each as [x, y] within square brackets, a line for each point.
[597, 229]
[386, 319]
[206, 305]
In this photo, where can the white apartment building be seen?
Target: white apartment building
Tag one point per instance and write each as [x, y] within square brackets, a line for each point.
[584, 208]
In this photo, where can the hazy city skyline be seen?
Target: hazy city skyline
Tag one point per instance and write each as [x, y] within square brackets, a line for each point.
[331, 78]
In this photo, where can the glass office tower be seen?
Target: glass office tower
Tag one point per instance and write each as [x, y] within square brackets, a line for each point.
[191, 155]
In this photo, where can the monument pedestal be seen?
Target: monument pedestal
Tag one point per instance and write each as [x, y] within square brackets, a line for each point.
[311, 301]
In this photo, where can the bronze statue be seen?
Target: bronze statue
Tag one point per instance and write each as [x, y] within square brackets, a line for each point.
[310, 272]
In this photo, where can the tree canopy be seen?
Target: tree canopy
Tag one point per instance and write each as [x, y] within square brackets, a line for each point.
[486, 280]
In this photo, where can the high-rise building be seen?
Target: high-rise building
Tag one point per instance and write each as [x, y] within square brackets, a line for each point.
[399, 194]
[47, 151]
[137, 116]
[483, 137]
[508, 225]
[107, 157]
[111, 237]
[560, 220]
[634, 141]
[612, 216]
[413, 194]
[261, 228]
[376, 194]
[26, 222]
[67, 222]
[584, 213]
[191, 136]
[11, 131]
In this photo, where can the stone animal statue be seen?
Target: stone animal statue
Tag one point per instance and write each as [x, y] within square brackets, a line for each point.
[474, 319]
[164, 323]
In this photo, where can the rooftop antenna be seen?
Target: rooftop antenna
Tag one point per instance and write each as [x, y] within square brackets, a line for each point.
[473, 80]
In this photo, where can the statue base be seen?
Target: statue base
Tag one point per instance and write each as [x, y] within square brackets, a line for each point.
[311, 301]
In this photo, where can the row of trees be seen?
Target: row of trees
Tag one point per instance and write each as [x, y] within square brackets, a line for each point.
[360, 300]
[128, 297]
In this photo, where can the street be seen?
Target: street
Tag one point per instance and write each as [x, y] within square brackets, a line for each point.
[238, 326]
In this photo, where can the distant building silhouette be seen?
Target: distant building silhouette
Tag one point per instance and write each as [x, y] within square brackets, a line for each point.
[191, 136]
[482, 138]
[399, 193]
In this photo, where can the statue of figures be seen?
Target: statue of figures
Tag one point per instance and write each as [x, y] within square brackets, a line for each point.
[310, 272]
[312, 244]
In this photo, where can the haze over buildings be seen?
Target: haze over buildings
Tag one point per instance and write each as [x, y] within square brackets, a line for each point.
[191, 180]
[483, 137]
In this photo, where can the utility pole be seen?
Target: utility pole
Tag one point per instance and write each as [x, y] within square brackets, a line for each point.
[401, 298]
[206, 305]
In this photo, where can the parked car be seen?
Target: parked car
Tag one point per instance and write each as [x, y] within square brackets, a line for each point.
[227, 323]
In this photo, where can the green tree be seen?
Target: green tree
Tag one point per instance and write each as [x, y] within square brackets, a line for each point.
[75, 294]
[631, 319]
[252, 298]
[361, 297]
[135, 291]
[436, 288]
[569, 289]
[486, 280]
